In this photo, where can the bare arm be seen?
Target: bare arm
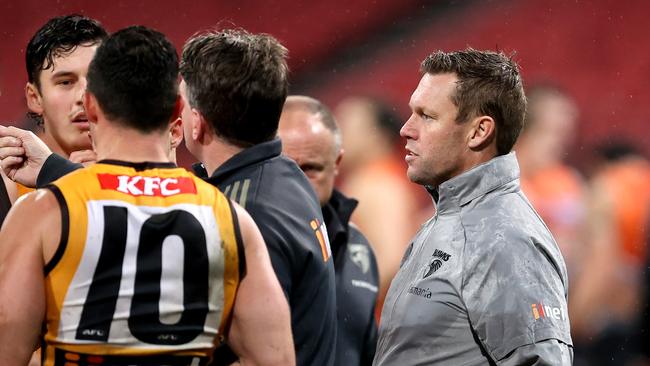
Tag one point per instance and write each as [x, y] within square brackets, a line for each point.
[23, 247]
[261, 328]
[12, 191]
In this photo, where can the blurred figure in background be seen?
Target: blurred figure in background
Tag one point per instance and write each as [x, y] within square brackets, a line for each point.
[311, 137]
[607, 292]
[553, 188]
[373, 173]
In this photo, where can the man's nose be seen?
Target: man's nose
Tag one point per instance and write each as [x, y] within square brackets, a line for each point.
[407, 130]
[81, 89]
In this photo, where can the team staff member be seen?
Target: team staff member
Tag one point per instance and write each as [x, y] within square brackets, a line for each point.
[311, 137]
[234, 86]
[100, 267]
[483, 281]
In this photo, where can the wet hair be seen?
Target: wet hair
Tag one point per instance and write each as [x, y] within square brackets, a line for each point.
[59, 37]
[238, 82]
[489, 84]
[134, 77]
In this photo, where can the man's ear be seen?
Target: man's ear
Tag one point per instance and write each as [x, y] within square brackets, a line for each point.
[200, 127]
[337, 162]
[176, 132]
[482, 133]
[34, 99]
[90, 106]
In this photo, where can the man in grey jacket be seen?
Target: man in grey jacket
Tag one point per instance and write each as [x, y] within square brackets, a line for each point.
[483, 281]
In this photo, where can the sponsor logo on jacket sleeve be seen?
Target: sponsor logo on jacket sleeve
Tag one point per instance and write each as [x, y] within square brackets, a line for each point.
[541, 311]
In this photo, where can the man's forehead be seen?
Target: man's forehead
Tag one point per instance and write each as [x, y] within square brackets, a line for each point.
[434, 86]
[73, 58]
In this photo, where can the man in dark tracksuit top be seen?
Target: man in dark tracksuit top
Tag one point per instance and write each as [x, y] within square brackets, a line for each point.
[233, 89]
[311, 137]
[234, 86]
[357, 281]
[282, 203]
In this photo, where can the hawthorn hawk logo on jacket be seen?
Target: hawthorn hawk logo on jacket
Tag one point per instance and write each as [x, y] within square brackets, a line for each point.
[439, 257]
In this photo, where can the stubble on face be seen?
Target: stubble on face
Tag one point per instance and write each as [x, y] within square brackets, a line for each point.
[436, 144]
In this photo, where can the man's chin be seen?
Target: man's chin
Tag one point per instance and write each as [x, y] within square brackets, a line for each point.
[413, 176]
[80, 145]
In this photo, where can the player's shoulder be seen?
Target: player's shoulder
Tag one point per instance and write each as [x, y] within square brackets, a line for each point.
[38, 203]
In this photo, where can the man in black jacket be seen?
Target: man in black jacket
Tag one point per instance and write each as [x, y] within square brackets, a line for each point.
[311, 137]
[234, 86]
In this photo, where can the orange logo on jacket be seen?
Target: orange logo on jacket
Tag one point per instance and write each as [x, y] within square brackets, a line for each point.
[321, 234]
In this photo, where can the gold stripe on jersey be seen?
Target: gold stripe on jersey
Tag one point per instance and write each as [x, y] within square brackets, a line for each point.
[83, 187]
[231, 273]
[23, 190]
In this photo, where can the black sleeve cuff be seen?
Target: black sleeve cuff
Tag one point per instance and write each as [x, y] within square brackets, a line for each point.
[54, 168]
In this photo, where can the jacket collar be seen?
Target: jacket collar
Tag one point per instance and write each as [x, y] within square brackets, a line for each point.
[336, 213]
[247, 157]
[477, 181]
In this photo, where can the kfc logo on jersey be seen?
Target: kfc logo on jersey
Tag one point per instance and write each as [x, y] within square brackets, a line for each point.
[147, 186]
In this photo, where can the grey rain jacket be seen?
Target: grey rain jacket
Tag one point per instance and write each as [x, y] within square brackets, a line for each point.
[482, 283]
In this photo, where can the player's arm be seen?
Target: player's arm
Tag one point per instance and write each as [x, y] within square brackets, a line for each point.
[10, 186]
[8, 193]
[260, 333]
[25, 244]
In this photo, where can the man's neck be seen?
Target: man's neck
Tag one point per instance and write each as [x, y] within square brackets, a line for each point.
[52, 144]
[130, 145]
[217, 152]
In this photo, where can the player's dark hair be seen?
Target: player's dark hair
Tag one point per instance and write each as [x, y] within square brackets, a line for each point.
[134, 76]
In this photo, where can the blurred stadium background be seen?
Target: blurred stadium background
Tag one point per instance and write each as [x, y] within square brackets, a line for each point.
[596, 50]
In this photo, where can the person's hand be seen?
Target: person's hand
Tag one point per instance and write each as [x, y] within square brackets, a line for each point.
[22, 155]
[85, 157]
